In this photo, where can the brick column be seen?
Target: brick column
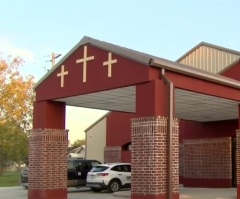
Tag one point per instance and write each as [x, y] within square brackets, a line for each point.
[149, 158]
[48, 164]
[238, 162]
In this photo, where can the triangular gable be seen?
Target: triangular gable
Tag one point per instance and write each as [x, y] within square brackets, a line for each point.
[137, 56]
[106, 67]
[129, 68]
[209, 57]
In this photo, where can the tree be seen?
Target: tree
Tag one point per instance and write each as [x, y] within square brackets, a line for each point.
[17, 94]
[78, 143]
[13, 144]
[16, 105]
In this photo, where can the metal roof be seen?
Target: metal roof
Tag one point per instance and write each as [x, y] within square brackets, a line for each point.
[211, 46]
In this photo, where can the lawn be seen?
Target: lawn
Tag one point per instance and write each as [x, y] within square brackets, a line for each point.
[10, 179]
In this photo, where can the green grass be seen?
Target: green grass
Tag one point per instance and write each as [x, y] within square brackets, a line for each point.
[10, 179]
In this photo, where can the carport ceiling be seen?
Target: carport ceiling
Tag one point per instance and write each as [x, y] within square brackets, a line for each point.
[189, 105]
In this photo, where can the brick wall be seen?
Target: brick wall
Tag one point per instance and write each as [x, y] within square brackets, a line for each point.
[208, 162]
[238, 162]
[181, 163]
[149, 158]
[47, 162]
[112, 154]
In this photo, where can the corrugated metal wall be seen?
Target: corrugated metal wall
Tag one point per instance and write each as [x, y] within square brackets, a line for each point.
[209, 59]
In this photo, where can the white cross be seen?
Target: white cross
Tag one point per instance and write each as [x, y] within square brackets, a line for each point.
[62, 74]
[84, 60]
[109, 64]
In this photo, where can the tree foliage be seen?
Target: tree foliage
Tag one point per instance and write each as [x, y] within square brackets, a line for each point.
[16, 106]
[78, 143]
[13, 144]
[16, 93]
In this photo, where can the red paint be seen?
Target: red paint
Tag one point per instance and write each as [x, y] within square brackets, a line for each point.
[153, 196]
[233, 72]
[50, 115]
[126, 156]
[209, 183]
[118, 130]
[125, 72]
[47, 193]
[152, 99]
[238, 191]
[197, 130]
[205, 87]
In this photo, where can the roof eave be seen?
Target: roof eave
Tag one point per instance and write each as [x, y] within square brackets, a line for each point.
[172, 66]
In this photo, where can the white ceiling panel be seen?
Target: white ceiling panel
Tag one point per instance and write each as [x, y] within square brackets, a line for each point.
[189, 105]
[204, 108]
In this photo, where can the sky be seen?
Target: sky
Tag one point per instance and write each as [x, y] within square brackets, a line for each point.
[33, 29]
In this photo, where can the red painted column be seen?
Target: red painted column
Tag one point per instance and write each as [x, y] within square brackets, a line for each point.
[48, 152]
[49, 114]
[150, 144]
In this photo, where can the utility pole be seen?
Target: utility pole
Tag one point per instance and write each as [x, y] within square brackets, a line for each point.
[54, 56]
[53, 59]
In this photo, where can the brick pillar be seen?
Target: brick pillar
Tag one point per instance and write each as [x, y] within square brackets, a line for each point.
[149, 158]
[238, 162]
[112, 154]
[48, 164]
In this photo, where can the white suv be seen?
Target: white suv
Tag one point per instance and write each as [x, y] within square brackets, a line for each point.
[111, 176]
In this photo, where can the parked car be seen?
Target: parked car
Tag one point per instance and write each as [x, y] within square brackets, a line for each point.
[112, 176]
[24, 177]
[76, 175]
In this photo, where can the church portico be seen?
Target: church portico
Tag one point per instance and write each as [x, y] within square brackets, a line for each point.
[99, 75]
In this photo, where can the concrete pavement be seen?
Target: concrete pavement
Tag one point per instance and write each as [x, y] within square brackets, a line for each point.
[73, 193]
[195, 193]
[85, 193]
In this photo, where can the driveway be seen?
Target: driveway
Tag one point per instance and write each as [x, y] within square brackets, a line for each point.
[73, 193]
[85, 193]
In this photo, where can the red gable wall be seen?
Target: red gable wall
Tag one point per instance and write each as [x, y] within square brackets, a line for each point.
[124, 73]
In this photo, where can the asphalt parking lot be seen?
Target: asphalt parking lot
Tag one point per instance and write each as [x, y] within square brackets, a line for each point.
[73, 193]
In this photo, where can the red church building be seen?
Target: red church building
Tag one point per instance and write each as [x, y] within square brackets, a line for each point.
[176, 122]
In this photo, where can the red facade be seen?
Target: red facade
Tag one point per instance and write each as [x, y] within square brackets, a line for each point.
[119, 131]
[148, 130]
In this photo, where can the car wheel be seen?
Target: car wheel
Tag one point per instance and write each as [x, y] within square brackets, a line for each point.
[114, 186]
[96, 190]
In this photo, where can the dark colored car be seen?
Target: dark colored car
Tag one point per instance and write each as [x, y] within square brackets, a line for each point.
[77, 172]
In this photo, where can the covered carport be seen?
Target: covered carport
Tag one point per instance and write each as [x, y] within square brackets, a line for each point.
[96, 74]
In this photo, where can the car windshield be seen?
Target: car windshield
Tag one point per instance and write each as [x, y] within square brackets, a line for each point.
[99, 168]
[95, 163]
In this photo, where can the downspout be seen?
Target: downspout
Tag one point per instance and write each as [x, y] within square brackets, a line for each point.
[169, 129]
[169, 133]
